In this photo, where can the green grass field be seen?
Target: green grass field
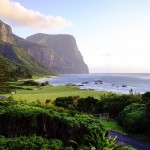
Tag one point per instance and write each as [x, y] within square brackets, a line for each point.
[52, 92]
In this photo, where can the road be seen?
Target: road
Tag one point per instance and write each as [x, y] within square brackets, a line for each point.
[137, 143]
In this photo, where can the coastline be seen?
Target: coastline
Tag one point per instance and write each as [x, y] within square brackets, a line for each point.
[121, 83]
[44, 78]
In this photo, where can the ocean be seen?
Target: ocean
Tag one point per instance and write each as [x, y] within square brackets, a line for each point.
[110, 82]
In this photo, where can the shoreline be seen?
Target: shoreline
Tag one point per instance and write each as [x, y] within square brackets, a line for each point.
[44, 78]
[40, 79]
[102, 83]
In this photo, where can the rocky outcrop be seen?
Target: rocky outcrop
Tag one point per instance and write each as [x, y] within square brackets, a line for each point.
[66, 58]
[6, 33]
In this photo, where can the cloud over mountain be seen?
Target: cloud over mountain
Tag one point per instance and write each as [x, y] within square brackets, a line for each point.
[16, 14]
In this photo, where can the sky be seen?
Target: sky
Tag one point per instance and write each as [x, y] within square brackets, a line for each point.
[112, 35]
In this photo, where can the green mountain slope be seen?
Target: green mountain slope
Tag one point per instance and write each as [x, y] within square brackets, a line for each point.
[15, 54]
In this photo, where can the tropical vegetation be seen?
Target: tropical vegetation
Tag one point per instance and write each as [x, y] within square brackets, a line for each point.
[68, 122]
[31, 126]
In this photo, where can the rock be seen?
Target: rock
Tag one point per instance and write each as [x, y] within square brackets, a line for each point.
[124, 85]
[70, 84]
[80, 85]
[100, 81]
[6, 33]
[84, 82]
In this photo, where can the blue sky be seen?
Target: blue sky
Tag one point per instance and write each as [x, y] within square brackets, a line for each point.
[112, 35]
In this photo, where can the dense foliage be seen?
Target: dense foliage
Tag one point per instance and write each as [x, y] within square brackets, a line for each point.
[32, 127]
[108, 103]
[33, 143]
[146, 98]
[13, 70]
[72, 129]
[134, 119]
[21, 61]
[4, 75]
[131, 111]
[10, 72]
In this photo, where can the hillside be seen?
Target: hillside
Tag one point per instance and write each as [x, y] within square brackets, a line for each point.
[42, 53]
[16, 55]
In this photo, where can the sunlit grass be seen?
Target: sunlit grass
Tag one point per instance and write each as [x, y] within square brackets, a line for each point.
[52, 92]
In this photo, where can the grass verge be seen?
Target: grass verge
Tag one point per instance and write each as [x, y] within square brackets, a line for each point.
[112, 125]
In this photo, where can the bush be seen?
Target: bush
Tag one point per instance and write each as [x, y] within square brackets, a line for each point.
[66, 102]
[146, 98]
[30, 83]
[108, 103]
[133, 119]
[33, 142]
[115, 103]
[27, 120]
[88, 105]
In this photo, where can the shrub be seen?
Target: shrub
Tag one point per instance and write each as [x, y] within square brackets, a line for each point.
[115, 103]
[133, 119]
[146, 98]
[66, 102]
[27, 120]
[88, 104]
[108, 103]
[30, 83]
[33, 142]
[95, 140]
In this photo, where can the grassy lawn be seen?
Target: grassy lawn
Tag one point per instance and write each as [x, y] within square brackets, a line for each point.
[113, 125]
[52, 92]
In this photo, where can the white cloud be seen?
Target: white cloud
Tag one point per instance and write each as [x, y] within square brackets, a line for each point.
[21, 16]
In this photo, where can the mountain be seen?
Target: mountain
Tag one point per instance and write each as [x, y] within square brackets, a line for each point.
[64, 56]
[42, 54]
[16, 55]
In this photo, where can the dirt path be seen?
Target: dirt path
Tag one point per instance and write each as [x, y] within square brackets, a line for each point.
[137, 143]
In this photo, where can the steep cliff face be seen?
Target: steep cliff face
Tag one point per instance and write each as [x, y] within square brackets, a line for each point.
[6, 33]
[66, 57]
[15, 54]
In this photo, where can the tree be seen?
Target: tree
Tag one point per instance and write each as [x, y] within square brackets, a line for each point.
[4, 76]
[146, 98]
